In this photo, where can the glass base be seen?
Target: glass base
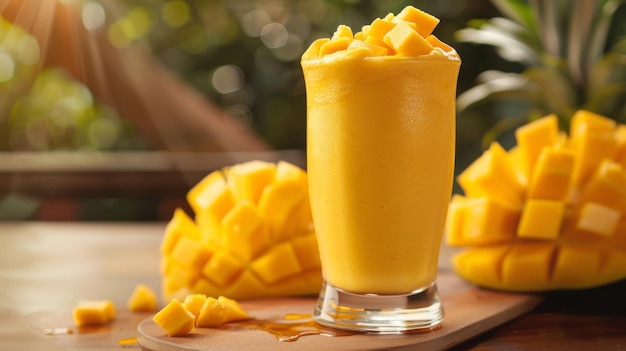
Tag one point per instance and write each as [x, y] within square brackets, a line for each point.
[339, 309]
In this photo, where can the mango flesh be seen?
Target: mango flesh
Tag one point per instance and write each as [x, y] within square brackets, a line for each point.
[198, 311]
[252, 236]
[548, 214]
[93, 312]
[143, 298]
[407, 34]
[174, 319]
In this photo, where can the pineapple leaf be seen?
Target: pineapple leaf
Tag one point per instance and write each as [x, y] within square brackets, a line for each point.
[607, 90]
[610, 69]
[550, 81]
[599, 35]
[517, 10]
[495, 85]
[551, 22]
[580, 26]
[512, 41]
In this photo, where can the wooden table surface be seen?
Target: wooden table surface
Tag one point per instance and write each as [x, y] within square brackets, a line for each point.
[46, 267]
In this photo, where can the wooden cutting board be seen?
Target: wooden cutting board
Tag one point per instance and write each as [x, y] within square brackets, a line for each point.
[285, 324]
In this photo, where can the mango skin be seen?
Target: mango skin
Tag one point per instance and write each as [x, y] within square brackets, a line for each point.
[570, 192]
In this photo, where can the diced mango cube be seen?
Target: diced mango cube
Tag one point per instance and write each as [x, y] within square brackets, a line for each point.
[180, 225]
[494, 175]
[334, 45]
[607, 186]
[93, 312]
[437, 43]
[286, 171]
[307, 251]
[358, 48]
[425, 23]
[598, 219]
[180, 276]
[276, 264]
[244, 231]
[247, 180]
[234, 311]
[174, 319]
[550, 178]
[377, 31]
[277, 203]
[143, 298]
[212, 314]
[208, 191]
[210, 199]
[406, 41]
[541, 219]
[223, 268]
[190, 253]
[454, 221]
[193, 303]
[593, 137]
[487, 221]
[533, 137]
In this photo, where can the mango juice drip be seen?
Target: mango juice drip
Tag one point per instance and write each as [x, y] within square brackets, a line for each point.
[380, 149]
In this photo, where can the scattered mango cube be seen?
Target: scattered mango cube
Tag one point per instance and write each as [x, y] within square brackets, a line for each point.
[93, 312]
[212, 314]
[143, 298]
[193, 303]
[174, 319]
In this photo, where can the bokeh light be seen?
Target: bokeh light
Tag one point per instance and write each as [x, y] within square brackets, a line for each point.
[274, 35]
[59, 113]
[253, 22]
[93, 16]
[135, 25]
[7, 66]
[227, 79]
[175, 13]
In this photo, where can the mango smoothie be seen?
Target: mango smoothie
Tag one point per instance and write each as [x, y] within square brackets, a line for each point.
[380, 151]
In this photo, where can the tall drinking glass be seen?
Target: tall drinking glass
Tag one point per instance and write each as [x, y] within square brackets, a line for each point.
[380, 154]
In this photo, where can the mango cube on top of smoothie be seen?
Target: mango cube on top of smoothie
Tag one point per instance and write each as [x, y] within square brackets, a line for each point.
[407, 34]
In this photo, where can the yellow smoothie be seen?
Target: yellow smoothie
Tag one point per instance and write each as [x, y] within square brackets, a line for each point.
[380, 153]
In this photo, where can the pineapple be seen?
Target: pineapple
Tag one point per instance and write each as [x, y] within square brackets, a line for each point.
[571, 60]
[252, 236]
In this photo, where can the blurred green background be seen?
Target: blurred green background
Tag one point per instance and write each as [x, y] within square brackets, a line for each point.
[243, 55]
